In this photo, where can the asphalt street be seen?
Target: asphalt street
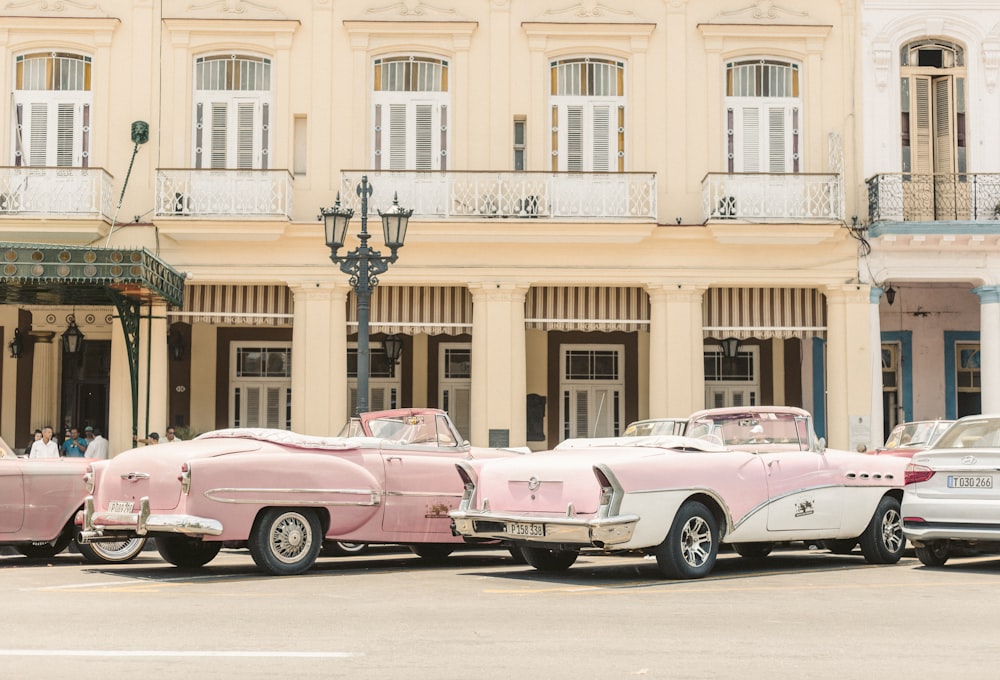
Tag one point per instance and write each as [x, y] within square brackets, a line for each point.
[799, 614]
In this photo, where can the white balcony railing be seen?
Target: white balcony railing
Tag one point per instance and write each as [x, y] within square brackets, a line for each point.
[772, 196]
[482, 195]
[56, 192]
[215, 194]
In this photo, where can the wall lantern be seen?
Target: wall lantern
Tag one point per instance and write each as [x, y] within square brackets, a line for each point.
[72, 338]
[730, 347]
[890, 294]
[176, 346]
[16, 345]
[393, 346]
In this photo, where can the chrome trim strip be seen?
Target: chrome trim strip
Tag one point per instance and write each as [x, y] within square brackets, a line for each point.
[215, 495]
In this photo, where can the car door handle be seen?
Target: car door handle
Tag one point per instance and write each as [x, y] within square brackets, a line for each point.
[389, 459]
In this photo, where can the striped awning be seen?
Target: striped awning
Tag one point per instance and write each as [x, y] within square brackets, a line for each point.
[237, 304]
[764, 313]
[587, 308]
[434, 310]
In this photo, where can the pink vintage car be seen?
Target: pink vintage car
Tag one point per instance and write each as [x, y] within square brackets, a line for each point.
[283, 493]
[39, 499]
[756, 477]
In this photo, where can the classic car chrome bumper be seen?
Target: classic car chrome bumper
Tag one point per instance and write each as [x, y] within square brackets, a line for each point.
[97, 525]
[600, 532]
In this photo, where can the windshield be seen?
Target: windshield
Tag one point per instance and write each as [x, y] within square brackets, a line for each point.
[650, 428]
[752, 429]
[983, 433]
[415, 429]
[916, 434]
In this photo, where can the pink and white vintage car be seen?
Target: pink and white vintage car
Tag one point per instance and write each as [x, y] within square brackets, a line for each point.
[283, 493]
[756, 477]
[39, 500]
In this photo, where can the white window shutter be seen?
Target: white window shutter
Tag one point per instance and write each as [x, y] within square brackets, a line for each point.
[217, 135]
[574, 139]
[397, 137]
[245, 135]
[424, 137]
[920, 127]
[601, 142]
[777, 142]
[36, 134]
[748, 159]
[944, 138]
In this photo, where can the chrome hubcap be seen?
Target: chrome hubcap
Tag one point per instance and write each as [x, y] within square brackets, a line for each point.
[696, 542]
[892, 531]
[290, 538]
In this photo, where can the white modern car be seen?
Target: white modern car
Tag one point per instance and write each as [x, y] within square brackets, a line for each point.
[951, 501]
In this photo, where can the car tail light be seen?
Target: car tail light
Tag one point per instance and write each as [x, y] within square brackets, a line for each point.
[88, 479]
[914, 474]
[467, 475]
[607, 493]
[185, 478]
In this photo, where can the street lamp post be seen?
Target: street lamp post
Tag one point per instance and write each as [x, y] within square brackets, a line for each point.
[364, 264]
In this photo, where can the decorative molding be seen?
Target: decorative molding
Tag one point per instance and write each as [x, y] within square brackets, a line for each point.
[591, 9]
[763, 10]
[991, 59]
[53, 5]
[235, 7]
[412, 8]
[882, 60]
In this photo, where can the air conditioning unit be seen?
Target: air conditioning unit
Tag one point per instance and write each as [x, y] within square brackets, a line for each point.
[727, 208]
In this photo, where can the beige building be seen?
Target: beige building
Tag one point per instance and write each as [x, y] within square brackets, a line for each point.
[601, 195]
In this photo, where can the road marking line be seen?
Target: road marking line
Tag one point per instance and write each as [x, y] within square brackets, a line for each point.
[108, 653]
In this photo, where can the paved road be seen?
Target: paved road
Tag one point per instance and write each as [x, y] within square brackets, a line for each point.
[801, 614]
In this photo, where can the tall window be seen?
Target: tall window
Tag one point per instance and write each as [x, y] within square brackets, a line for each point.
[592, 388]
[232, 103]
[968, 379]
[763, 116]
[892, 410]
[52, 108]
[260, 385]
[384, 385]
[731, 381]
[588, 115]
[411, 113]
[932, 99]
[455, 383]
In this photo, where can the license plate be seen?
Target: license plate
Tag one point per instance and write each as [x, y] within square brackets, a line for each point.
[525, 529]
[970, 481]
[121, 506]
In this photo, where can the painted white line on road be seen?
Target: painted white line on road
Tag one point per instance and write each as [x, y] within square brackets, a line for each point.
[111, 653]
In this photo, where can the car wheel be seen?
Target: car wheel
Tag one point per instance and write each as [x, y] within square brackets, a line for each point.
[45, 549]
[933, 554]
[840, 546]
[432, 552]
[285, 542]
[691, 546]
[186, 552]
[517, 554]
[883, 540]
[342, 549]
[112, 552]
[544, 559]
[753, 551]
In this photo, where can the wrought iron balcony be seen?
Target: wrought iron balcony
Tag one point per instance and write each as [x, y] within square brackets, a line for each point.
[56, 192]
[774, 197]
[485, 195]
[223, 194]
[966, 197]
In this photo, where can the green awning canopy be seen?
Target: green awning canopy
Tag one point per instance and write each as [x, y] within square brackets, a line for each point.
[45, 274]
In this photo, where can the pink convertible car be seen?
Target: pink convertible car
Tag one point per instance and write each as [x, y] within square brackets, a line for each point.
[283, 493]
[39, 499]
[755, 477]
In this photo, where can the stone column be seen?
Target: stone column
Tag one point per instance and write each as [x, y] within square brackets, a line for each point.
[676, 350]
[849, 366]
[875, 323]
[499, 384]
[989, 347]
[45, 380]
[319, 357]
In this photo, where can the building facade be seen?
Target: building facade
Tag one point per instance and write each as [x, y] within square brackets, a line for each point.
[601, 196]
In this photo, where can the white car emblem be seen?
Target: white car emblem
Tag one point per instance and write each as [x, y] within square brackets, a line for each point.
[969, 460]
[534, 483]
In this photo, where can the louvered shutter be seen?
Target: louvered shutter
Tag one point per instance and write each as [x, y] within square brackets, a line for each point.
[218, 134]
[574, 139]
[944, 138]
[765, 141]
[776, 139]
[920, 128]
[602, 136]
[37, 133]
[424, 137]
[66, 134]
[749, 126]
[397, 137]
[245, 135]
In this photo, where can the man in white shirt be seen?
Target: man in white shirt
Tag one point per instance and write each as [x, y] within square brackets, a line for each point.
[46, 447]
[97, 446]
[171, 437]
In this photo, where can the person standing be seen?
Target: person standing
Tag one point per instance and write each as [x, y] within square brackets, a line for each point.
[75, 446]
[46, 447]
[97, 446]
[35, 438]
[171, 437]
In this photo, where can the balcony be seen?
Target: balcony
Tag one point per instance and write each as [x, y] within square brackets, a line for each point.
[493, 195]
[223, 194]
[772, 197]
[75, 203]
[967, 197]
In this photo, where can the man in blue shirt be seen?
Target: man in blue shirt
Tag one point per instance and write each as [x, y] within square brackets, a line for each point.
[75, 446]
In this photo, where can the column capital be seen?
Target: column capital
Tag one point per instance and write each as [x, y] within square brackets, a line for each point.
[875, 294]
[512, 292]
[685, 292]
[988, 295]
[317, 290]
[846, 293]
